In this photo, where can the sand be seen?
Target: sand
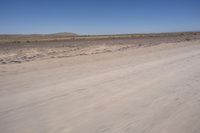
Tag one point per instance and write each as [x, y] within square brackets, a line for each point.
[138, 90]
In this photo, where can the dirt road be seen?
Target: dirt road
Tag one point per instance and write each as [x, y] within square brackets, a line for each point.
[141, 90]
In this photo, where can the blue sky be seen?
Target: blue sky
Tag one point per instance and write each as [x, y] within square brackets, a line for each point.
[98, 16]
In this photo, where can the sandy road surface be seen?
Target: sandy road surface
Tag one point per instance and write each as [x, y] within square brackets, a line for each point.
[145, 90]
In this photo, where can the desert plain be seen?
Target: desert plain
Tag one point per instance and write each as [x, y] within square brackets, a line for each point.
[142, 83]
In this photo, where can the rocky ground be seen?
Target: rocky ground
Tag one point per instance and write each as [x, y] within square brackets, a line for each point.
[18, 52]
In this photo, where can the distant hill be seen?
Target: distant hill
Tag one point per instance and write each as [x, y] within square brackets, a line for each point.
[63, 34]
[35, 37]
[28, 35]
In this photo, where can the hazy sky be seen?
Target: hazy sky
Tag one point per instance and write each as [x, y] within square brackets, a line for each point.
[99, 16]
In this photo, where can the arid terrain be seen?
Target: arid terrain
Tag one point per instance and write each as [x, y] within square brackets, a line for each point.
[23, 48]
[148, 83]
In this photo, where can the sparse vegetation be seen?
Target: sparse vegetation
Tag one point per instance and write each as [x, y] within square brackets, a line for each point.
[16, 41]
[187, 39]
[74, 37]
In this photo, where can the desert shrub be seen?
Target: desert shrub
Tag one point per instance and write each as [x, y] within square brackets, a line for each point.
[16, 42]
[187, 39]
